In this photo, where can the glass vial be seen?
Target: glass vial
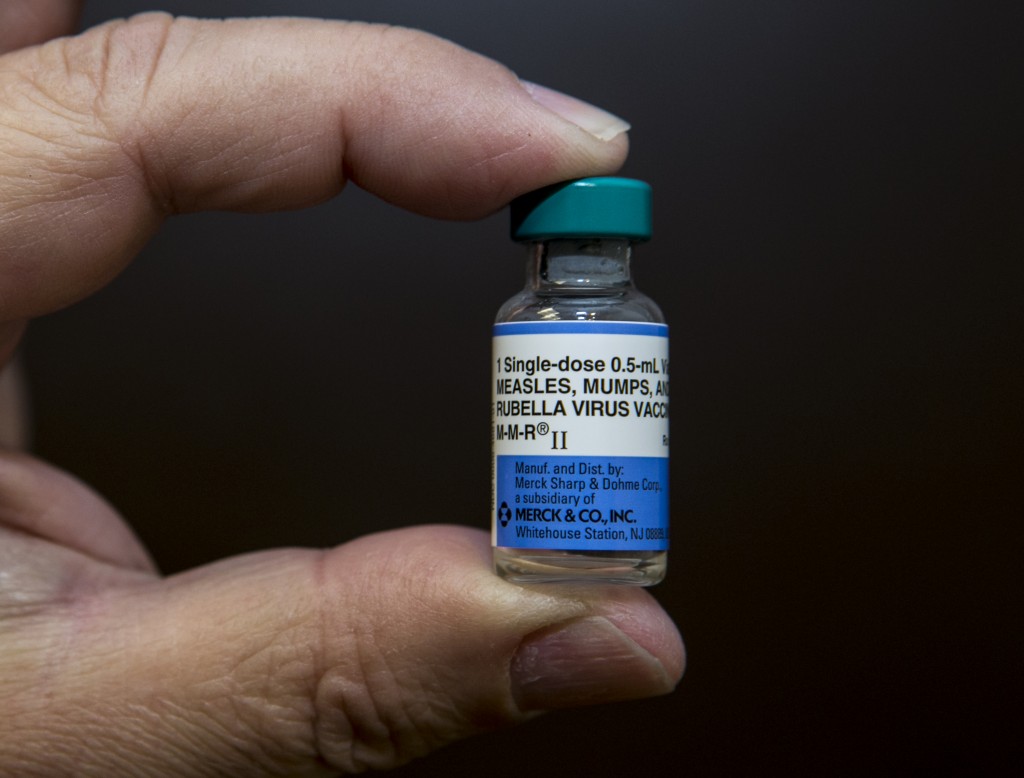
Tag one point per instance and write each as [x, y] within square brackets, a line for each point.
[579, 412]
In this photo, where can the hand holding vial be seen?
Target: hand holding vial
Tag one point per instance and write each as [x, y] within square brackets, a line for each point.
[290, 660]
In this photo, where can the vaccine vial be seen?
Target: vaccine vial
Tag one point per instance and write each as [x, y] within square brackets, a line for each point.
[580, 431]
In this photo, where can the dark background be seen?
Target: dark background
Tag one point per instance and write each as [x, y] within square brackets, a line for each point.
[838, 251]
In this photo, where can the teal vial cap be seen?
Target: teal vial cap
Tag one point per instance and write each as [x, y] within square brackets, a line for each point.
[601, 207]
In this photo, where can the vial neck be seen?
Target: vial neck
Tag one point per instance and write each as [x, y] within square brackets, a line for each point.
[577, 264]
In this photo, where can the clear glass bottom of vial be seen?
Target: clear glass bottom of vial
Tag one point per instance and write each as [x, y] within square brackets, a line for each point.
[530, 565]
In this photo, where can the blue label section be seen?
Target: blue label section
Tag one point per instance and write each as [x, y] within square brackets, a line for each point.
[581, 328]
[582, 503]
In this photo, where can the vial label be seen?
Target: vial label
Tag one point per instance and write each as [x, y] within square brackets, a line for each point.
[580, 436]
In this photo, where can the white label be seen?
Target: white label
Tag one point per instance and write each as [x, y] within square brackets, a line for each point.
[580, 435]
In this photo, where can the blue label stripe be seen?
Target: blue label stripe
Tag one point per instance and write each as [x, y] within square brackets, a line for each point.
[581, 328]
[582, 503]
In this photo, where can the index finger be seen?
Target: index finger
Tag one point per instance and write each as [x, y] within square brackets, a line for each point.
[104, 135]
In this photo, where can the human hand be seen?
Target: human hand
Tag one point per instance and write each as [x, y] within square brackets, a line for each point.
[293, 661]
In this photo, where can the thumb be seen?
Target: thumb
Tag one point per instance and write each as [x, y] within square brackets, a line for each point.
[358, 658]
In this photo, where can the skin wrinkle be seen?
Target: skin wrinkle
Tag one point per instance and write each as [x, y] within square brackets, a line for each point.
[66, 157]
[147, 748]
[334, 733]
[271, 678]
[321, 600]
[26, 207]
[39, 136]
[49, 150]
[156, 59]
[409, 687]
[39, 95]
[405, 98]
[409, 737]
[248, 736]
[384, 737]
[385, 696]
[53, 101]
[69, 71]
[489, 161]
[229, 694]
[370, 703]
[366, 655]
[95, 656]
[370, 734]
[111, 85]
[226, 158]
[46, 684]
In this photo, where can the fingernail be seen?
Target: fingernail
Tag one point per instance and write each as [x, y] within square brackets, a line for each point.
[584, 662]
[598, 122]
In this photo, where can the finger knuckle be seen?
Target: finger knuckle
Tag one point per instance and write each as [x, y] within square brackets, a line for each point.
[74, 105]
